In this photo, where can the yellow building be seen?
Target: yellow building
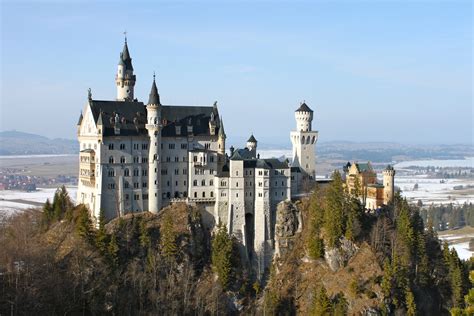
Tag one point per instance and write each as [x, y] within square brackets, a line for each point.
[361, 180]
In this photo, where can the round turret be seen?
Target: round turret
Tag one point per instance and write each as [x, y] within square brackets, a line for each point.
[304, 118]
[388, 184]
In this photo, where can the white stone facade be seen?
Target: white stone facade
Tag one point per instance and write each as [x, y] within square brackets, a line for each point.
[136, 157]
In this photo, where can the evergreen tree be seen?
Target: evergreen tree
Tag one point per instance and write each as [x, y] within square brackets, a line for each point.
[113, 249]
[410, 302]
[145, 240]
[314, 242]
[322, 305]
[221, 255]
[168, 238]
[101, 236]
[48, 213]
[334, 221]
[84, 223]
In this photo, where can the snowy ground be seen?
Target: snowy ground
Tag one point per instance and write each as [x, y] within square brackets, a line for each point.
[437, 191]
[462, 246]
[13, 201]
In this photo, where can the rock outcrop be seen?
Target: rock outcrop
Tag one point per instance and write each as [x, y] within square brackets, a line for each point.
[338, 257]
[288, 225]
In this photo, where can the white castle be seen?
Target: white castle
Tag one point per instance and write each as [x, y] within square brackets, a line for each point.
[136, 157]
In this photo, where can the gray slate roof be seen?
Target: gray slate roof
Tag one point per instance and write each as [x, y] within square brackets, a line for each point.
[304, 108]
[133, 117]
[125, 58]
[154, 96]
[252, 139]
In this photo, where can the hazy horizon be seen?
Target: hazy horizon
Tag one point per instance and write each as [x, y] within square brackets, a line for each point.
[372, 72]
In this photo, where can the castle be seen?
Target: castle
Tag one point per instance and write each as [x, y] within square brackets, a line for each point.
[361, 180]
[137, 157]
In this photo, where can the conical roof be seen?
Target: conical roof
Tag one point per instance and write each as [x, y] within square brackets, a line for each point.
[251, 139]
[154, 96]
[125, 58]
[221, 132]
[304, 108]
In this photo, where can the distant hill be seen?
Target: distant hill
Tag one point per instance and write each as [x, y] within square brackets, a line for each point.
[20, 143]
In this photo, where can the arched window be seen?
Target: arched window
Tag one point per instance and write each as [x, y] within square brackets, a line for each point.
[122, 159]
[195, 183]
[302, 140]
[111, 173]
[203, 194]
[195, 194]
[212, 194]
[126, 172]
[314, 138]
[203, 183]
[111, 159]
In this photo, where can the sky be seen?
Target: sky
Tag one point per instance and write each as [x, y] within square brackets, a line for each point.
[372, 71]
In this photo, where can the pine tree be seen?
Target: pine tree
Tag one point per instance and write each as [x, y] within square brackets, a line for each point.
[113, 249]
[168, 238]
[314, 242]
[145, 240]
[387, 279]
[48, 214]
[222, 255]
[410, 302]
[101, 236]
[84, 224]
[322, 305]
[334, 222]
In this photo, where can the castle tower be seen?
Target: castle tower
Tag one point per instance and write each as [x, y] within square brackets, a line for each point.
[154, 131]
[125, 79]
[252, 145]
[304, 141]
[388, 184]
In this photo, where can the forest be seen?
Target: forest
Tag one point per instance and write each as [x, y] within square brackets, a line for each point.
[55, 261]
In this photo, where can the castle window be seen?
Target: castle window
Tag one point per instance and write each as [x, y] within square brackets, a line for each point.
[203, 194]
[260, 173]
[111, 159]
[195, 183]
[176, 183]
[126, 172]
[136, 185]
[184, 159]
[168, 159]
[184, 182]
[283, 183]
[111, 146]
[135, 146]
[195, 194]
[136, 172]
[211, 182]
[176, 171]
[145, 196]
[184, 146]
[266, 172]
[167, 184]
[122, 146]
[144, 184]
[212, 194]
[211, 159]
[203, 183]
[185, 171]
[171, 146]
[136, 197]
[176, 159]
[260, 184]
[237, 184]
[195, 158]
[122, 159]
[211, 171]
[260, 194]
[127, 197]
[236, 194]
[126, 185]
[144, 159]
[111, 173]
[144, 146]
[136, 159]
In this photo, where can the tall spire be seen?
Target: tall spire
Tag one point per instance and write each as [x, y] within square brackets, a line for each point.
[125, 55]
[154, 96]
[221, 132]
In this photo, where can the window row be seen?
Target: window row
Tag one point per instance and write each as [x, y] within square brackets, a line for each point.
[126, 172]
[203, 183]
[122, 146]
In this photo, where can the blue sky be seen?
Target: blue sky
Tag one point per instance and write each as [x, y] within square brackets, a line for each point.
[372, 71]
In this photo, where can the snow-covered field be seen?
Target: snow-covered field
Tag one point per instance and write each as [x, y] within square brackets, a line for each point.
[462, 246]
[13, 201]
[437, 191]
